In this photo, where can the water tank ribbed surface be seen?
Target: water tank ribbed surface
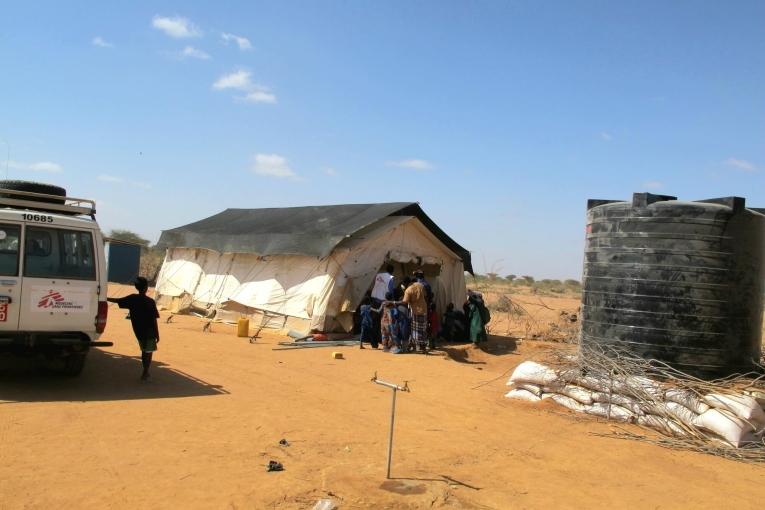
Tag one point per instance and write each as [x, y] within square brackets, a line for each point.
[680, 282]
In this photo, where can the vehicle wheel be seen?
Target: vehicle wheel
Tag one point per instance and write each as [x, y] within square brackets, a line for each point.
[35, 187]
[74, 363]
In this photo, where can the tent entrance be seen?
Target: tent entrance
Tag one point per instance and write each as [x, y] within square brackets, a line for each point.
[403, 269]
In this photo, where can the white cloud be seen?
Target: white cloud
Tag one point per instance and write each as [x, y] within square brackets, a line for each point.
[42, 166]
[99, 41]
[272, 165]
[191, 52]
[414, 164]
[176, 27]
[331, 172]
[114, 179]
[241, 80]
[242, 42]
[741, 164]
[46, 166]
[653, 185]
[139, 184]
[110, 178]
[260, 95]
[606, 136]
[237, 80]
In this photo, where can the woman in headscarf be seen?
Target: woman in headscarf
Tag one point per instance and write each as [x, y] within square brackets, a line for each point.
[478, 317]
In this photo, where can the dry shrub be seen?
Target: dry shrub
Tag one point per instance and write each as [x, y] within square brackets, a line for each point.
[151, 262]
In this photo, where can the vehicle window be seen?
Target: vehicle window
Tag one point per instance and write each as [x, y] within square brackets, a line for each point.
[9, 250]
[59, 253]
[39, 243]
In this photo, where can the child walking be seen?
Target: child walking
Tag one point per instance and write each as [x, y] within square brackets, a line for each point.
[143, 316]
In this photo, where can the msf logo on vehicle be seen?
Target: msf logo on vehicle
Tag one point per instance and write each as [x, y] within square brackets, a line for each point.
[50, 299]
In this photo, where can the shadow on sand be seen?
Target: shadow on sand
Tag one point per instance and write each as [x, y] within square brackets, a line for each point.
[107, 376]
[405, 486]
[495, 346]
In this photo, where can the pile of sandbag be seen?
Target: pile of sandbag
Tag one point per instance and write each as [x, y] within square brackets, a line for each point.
[736, 418]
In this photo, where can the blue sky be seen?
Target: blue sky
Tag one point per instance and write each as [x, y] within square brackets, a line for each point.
[500, 118]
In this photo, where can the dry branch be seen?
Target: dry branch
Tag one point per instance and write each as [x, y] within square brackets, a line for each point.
[621, 370]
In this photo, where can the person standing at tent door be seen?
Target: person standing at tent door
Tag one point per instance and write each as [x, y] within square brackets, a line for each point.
[419, 275]
[143, 316]
[401, 317]
[414, 296]
[367, 333]
[384, 283]
[387, 325]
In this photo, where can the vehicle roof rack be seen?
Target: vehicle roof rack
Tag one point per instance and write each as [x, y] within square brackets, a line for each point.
[46, 202]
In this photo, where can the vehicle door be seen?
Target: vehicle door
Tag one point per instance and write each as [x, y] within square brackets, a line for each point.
[10, 275]
[60, 279]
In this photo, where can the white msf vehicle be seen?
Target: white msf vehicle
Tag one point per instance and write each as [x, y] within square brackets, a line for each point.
[52, 275]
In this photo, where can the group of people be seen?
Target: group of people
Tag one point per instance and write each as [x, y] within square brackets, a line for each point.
[403, 316]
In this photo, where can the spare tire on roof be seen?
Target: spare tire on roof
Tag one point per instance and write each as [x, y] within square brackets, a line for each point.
[34, 187]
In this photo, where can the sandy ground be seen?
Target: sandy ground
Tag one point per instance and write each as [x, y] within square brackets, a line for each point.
[200, 434]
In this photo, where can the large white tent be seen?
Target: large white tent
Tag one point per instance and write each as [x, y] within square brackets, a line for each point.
[303, 267]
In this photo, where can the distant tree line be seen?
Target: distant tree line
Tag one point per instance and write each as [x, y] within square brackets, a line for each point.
[528, 281]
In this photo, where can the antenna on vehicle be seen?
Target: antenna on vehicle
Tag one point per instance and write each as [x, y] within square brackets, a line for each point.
[7, 157]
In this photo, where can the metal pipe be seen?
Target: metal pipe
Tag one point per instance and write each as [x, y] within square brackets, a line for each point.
[390, 436]
[395, 388]
[389, 385]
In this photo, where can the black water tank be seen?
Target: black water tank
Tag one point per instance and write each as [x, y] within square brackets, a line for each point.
[680, 282]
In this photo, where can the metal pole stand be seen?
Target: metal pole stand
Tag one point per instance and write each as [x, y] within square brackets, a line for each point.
[396, 388]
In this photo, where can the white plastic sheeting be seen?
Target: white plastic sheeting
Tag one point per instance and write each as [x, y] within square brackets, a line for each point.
[319, 291]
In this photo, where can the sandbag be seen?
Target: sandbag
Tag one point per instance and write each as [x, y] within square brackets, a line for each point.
[620, 400]
[612, 398]
[577, 393]
[638, 386]
[610, 411]
[591, 381]
[534, 373]
[661, 424]
[726, 425]
[625, 385]
[686, 398]
[757, 394]
[533, 388]
[681, 413]
[568, 402]
[743, 407]
[670, 410]
[521, 394]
